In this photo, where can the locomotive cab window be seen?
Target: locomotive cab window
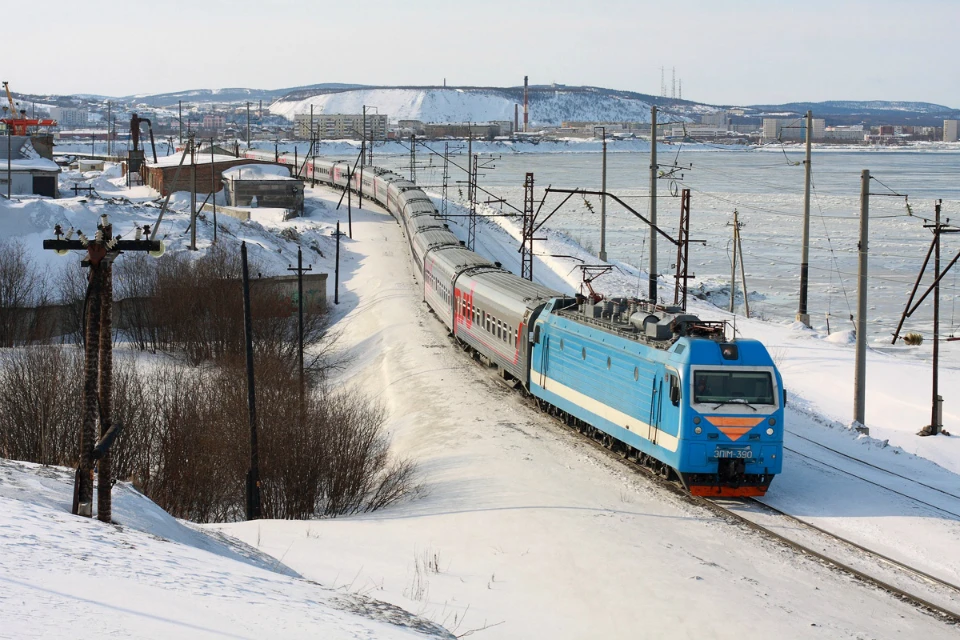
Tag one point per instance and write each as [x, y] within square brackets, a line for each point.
[674, 390]
[731, 386]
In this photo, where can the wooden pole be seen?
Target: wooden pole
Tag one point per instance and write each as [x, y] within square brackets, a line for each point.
[253, 474]
[336, 270]
[743, 275]
[105, 464]
[83, 505]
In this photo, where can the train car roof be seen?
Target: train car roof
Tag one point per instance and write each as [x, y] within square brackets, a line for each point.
[514, 286]
[458, 258]
[437, 238]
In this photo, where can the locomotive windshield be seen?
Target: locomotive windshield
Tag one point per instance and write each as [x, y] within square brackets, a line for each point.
[749, 387]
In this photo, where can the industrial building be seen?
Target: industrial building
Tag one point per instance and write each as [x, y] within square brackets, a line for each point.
[793, 129]
[341, 125]
[25, 171]
[161, 175]
[70, 116]
[478, 130]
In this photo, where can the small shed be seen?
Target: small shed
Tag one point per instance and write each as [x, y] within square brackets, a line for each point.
[90, 164]
[30, 173]
[30, 176]
[271, 185]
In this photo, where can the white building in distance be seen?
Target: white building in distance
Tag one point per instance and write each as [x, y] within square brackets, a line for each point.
[341, 125]
[950, 130]
[70, 116]
[793, 129]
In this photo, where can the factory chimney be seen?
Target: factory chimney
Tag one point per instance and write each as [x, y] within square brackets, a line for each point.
[516, 117]
[526, 103]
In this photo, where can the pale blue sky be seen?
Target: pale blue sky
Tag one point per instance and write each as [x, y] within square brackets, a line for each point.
[729, 51]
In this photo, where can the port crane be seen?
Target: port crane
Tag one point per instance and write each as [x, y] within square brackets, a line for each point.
[17, 119]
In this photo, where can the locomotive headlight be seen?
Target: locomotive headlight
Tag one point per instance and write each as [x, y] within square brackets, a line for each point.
[772, 421]
[769, 431]
[696, 419]
[698, 430]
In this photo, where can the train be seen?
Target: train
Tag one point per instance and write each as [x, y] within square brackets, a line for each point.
[652, 382]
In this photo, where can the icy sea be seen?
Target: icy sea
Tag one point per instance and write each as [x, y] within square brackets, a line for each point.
[766, 188]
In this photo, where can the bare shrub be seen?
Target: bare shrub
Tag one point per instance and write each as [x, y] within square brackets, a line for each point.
[23, 289]
[194, 307]
[135, 287]
[71, 290]
[40, 404]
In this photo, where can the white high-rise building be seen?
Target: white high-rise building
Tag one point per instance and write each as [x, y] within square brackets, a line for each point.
[950, 130]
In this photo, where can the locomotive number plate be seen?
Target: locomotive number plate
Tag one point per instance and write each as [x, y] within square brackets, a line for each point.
[732, 453]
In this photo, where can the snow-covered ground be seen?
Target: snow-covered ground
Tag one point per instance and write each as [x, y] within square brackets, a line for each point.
[524, 530]
[151, 576]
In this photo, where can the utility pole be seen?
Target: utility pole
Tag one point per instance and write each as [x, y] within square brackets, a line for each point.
[446, 180]
[248, 124]
[253, 474]
[936, 417]
[413, 158]
[860, 379]
[743, 275]
[213, 191]
[9, 159]
[471, 176]
[180, 118]
[193, 193]
[109, 106]
[802, 314]
[733, 263]
[472, 167]
[936, 414]
[603, 198]
[311, 130]
[652, 291]
[100, 252]
[683, 251]
[336, 270]
[526, 242]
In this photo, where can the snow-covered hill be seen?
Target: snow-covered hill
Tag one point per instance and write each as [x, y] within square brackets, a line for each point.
[548, 106]
[152, 576]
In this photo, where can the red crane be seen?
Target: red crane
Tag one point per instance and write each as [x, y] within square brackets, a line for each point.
[21, 124]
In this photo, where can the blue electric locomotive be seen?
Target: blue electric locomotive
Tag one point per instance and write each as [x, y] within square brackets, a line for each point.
[666, 386]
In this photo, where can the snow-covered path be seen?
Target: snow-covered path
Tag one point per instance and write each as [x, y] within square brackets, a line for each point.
[523, 525]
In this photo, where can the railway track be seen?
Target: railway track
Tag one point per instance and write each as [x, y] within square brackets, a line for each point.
[928, 593]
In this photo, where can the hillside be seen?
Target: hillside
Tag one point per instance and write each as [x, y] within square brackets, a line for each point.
[549, 106]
